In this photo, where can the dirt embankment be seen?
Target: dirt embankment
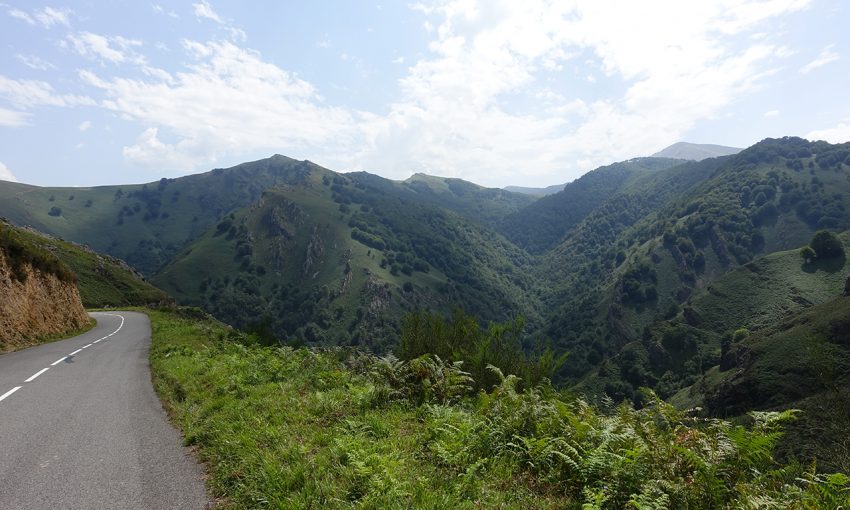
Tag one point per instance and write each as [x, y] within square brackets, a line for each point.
[36, 305]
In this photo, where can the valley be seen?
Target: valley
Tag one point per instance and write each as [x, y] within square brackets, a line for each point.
[647, 279]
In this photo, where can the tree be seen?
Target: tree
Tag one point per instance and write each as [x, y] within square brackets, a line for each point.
[808, 254]
[847, 287]
[826, 245]
[55, 211]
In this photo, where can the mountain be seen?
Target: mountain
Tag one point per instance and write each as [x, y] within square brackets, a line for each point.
[339, 259]
[538, 192]
[695, 151]
[300, 253]
[542, 224]
[102, 280]
[615, 277]
[145, 224]
[484, 205]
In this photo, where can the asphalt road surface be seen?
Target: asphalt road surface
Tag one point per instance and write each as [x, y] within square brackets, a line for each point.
[81, 427]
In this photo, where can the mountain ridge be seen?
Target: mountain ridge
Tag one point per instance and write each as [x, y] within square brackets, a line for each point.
[695, 151]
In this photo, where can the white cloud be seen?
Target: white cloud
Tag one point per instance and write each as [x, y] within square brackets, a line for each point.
[150, 151]
[115, 49]
[84, 125]
[453, 114]
[324, 42]
[161, 10]
[21, 15]
[236, 34]
[678, 65]
[28, 93]
[826, 56]
[47, 17]
[6, 174]
[771, 113]
[837, 134]
[228, 100]
[203, 9]
[12, 118]
[398, 60]
[34, 62]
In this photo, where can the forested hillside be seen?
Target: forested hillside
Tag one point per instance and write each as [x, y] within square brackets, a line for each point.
[340, 259]
[605, 270]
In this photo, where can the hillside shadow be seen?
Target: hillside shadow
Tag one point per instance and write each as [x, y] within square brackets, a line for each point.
[830, 265]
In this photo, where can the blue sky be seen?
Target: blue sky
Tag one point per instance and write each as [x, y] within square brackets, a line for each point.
[497, 92]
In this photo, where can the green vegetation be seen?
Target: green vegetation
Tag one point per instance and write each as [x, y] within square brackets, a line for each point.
[543, 224]
[298, 428]
[20, 251]
[102, 280]
[146, 224]
[826, 245]
[801, 361]
[479, 350]
[295, 268]
[647, 272]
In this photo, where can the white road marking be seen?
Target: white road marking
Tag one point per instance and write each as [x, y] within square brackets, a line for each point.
[13, 390]
[32, 377]
[43, 370]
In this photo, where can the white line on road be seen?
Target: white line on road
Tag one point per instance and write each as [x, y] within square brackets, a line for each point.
[43, 370]
[13, 390]
[32, 377]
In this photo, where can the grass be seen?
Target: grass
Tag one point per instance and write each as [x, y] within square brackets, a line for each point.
[283, 428]
[102, 280]
[301, 428]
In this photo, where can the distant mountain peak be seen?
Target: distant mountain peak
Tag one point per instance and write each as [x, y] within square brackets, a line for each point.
[695, 151]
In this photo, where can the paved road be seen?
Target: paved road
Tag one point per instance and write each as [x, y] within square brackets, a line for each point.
[89, 432]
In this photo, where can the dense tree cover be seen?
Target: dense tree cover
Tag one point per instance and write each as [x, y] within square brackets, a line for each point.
[541, 225]
[723, 213]
[461, 338]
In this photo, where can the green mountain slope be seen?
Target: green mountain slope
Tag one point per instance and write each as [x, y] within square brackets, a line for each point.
[617, 269]
[801, 361]
[627, 265]
[695, 151]
[102, 280]
[540, 226]
[145, 224]
[488, 206]
[340, 259]
[540, 192]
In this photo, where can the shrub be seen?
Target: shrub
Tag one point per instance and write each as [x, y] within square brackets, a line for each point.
[55, 211]
[808, 254]
[826, 245]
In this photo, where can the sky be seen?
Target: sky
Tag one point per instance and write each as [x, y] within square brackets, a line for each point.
[497, 92]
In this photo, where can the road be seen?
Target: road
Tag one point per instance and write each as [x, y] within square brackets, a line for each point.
[81, 427]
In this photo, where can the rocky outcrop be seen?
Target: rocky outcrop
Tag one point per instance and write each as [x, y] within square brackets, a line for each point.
[36, 303]
[315, 251]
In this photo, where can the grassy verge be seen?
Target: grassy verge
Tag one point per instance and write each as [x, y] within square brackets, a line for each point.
[297, 428]
[8, 347]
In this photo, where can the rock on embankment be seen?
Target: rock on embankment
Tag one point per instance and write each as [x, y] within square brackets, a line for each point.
[35, 303]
